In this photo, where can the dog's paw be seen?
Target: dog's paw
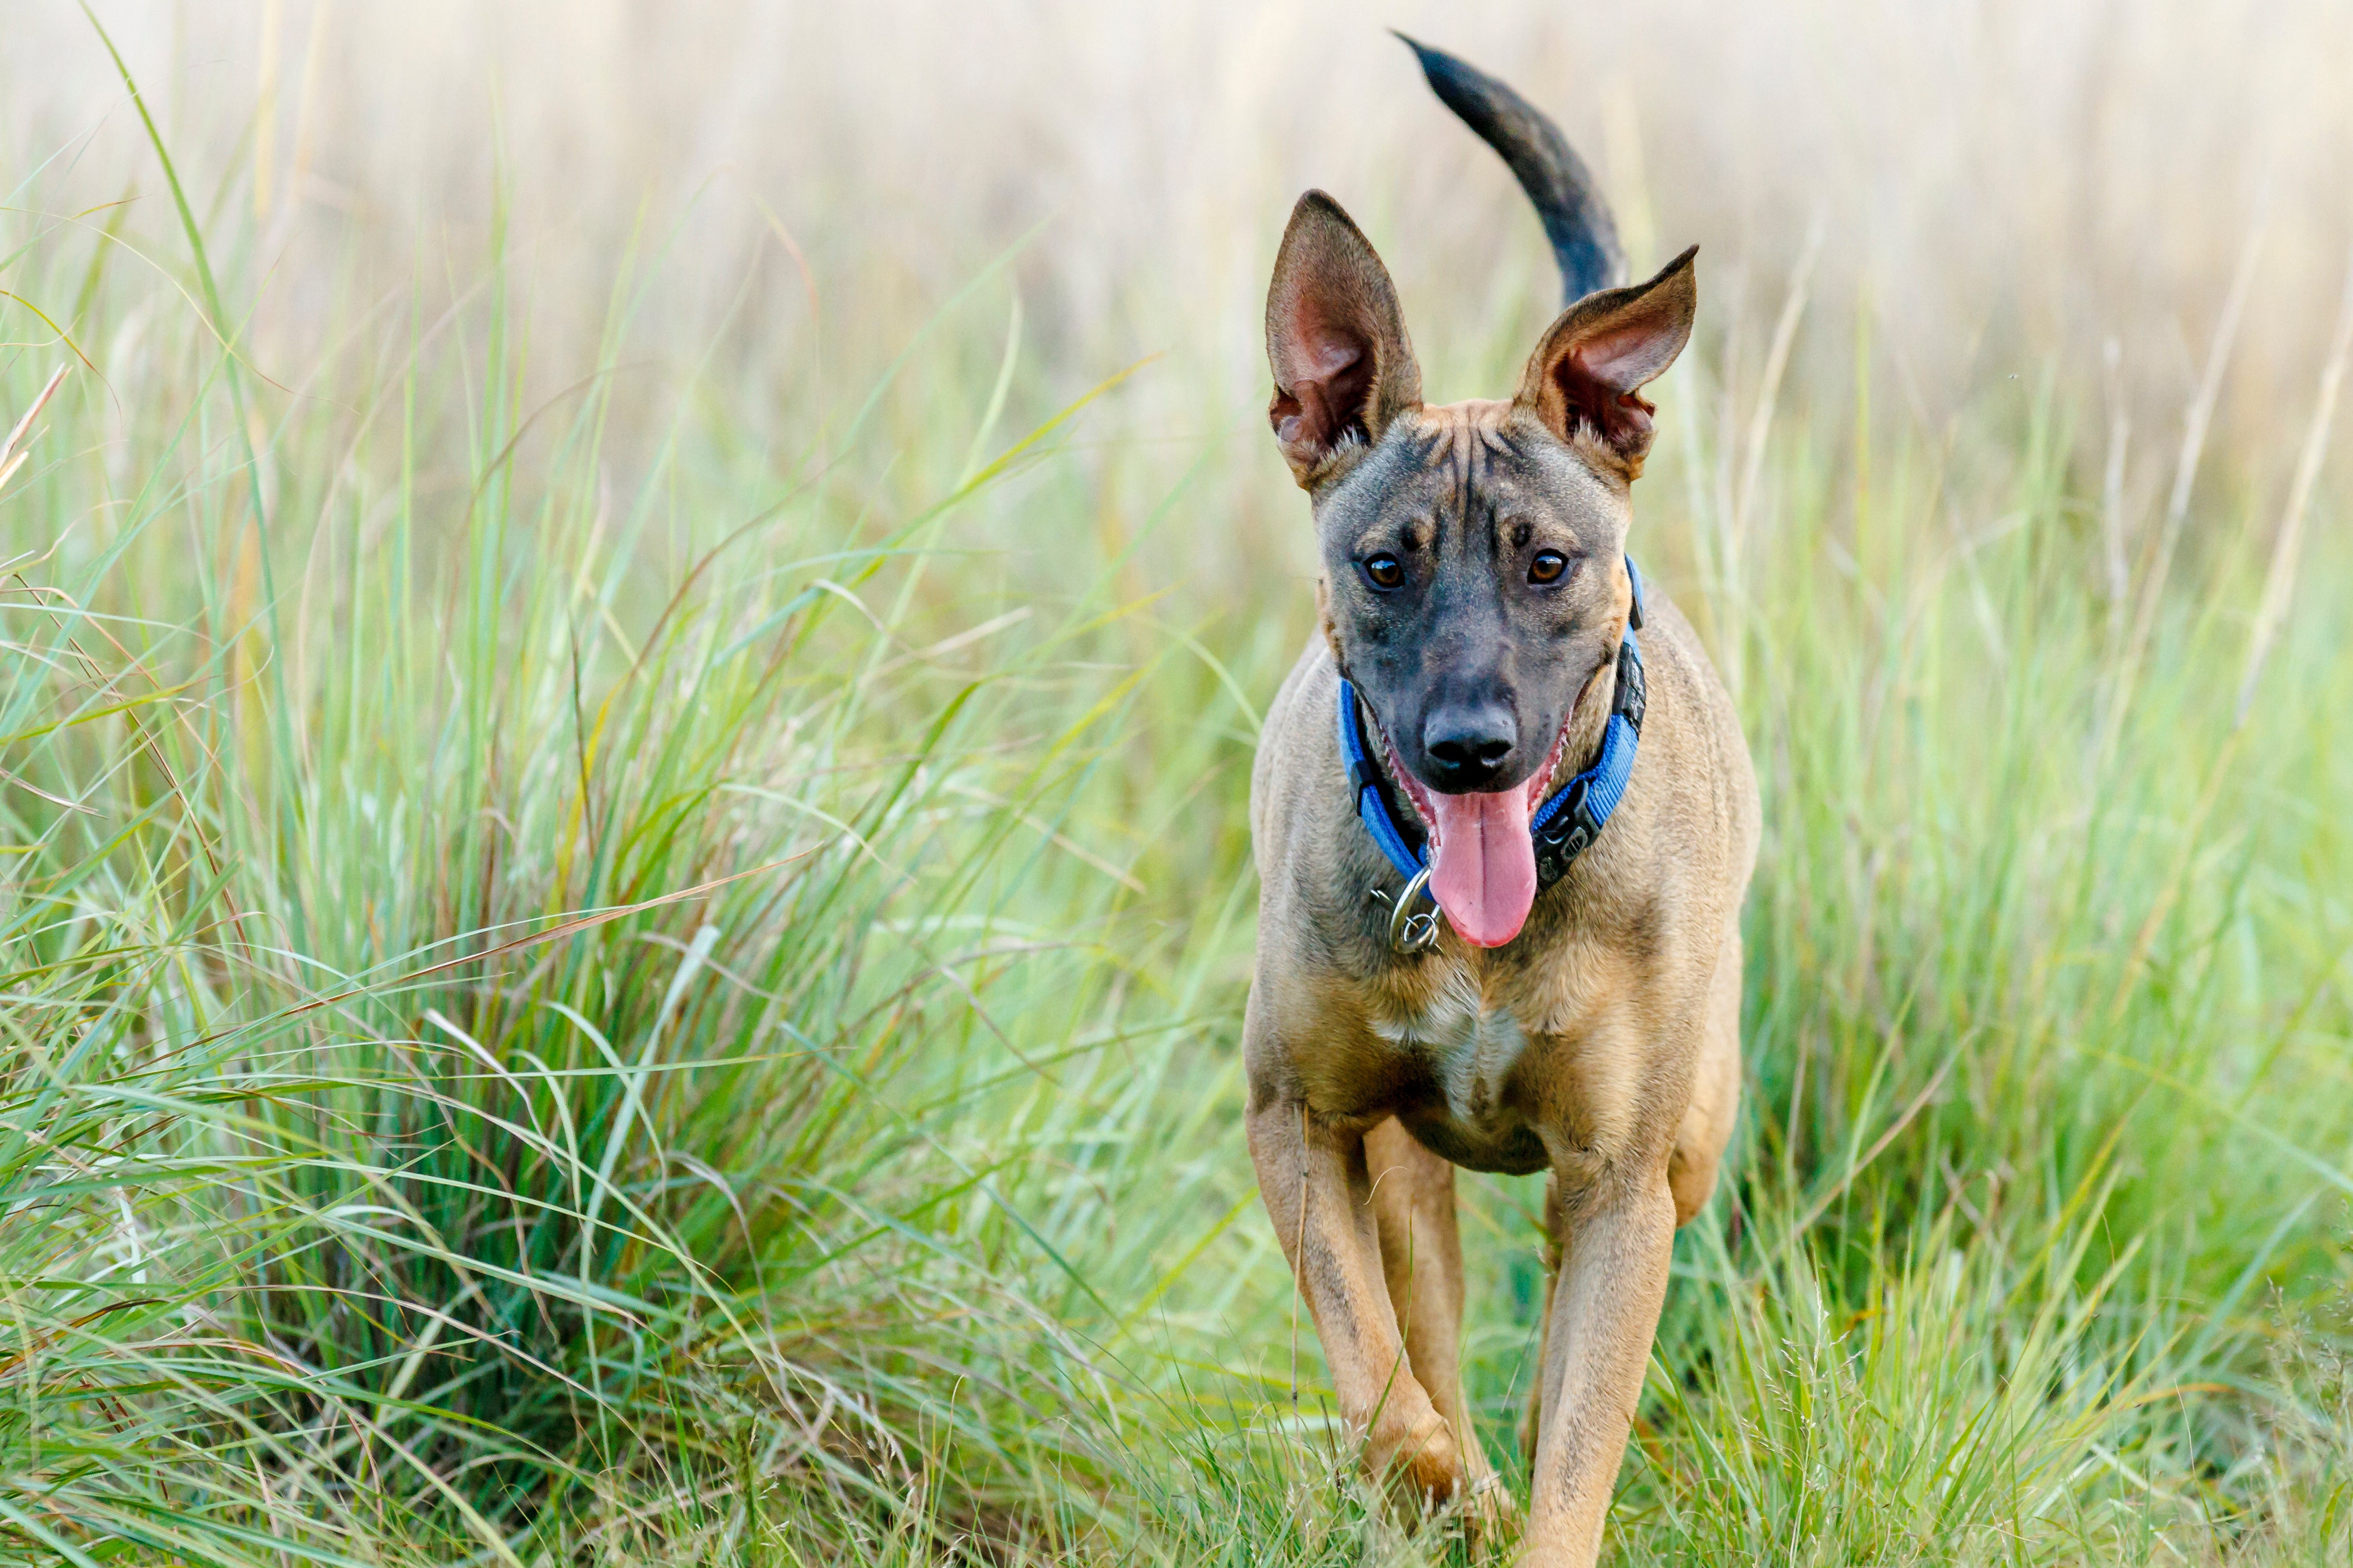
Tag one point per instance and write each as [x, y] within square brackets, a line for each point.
[1420, 1464]
[1431, 1475]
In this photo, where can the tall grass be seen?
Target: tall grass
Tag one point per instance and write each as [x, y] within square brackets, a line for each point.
[624, 921]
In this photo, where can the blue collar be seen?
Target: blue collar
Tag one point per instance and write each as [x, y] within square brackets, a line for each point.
[1565, 823]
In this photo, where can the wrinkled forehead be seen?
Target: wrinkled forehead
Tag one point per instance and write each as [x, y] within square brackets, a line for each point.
[1463, 433]
[1478, 459]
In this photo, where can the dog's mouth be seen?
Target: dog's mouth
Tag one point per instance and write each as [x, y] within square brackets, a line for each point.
[1482, 862]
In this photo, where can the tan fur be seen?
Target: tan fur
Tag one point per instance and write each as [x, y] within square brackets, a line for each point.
[1601, 1043]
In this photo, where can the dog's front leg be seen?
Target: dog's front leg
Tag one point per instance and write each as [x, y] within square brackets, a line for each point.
[1615, 1246]
[1313, 1176]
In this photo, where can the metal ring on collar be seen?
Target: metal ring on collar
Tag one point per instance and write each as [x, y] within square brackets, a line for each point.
[1411, 931]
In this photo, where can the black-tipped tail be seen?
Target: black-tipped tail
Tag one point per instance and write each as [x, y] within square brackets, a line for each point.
[1576, 219]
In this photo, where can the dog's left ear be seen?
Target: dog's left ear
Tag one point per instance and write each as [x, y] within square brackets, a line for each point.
[1335, 340]
[1600, 351]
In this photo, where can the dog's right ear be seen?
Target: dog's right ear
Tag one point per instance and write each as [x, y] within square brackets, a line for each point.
[1336, 339]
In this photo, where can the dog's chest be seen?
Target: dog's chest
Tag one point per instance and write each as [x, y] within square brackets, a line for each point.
[1466, 1042]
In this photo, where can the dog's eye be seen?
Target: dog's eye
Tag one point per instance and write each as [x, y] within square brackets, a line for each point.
[1383, 571]
[1547, 566]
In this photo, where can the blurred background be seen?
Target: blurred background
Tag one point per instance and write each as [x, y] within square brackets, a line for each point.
[1968, 191]
[631, 642]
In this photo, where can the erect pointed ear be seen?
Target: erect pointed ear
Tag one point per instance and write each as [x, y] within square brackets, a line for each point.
[1334, 339]
[1593, 359]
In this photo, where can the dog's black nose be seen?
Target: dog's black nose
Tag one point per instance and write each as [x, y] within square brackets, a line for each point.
[1467, 745]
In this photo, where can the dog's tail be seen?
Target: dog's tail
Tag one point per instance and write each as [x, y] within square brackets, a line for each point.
[1576, 219]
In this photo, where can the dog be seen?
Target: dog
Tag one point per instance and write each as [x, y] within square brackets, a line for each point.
[1498, 717]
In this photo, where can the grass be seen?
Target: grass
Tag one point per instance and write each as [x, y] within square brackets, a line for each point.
[644, 968]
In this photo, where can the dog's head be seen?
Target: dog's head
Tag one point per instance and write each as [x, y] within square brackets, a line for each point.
[1474, 586]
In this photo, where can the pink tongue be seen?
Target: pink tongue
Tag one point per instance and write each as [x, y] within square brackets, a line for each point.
[1485, 874]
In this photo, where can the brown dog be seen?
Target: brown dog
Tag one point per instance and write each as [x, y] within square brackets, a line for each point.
[1578, 1010]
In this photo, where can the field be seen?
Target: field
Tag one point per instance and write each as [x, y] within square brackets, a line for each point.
[629, 649]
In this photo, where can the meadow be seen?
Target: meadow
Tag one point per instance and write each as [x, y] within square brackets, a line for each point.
[629, 650]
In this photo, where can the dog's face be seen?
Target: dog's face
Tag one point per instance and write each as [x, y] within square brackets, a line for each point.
[1473, 583]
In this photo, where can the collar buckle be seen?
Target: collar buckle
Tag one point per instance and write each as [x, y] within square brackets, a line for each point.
[1570, 830]
[1632, 691]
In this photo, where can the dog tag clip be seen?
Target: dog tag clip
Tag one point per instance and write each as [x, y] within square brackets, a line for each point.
[1410, 930]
